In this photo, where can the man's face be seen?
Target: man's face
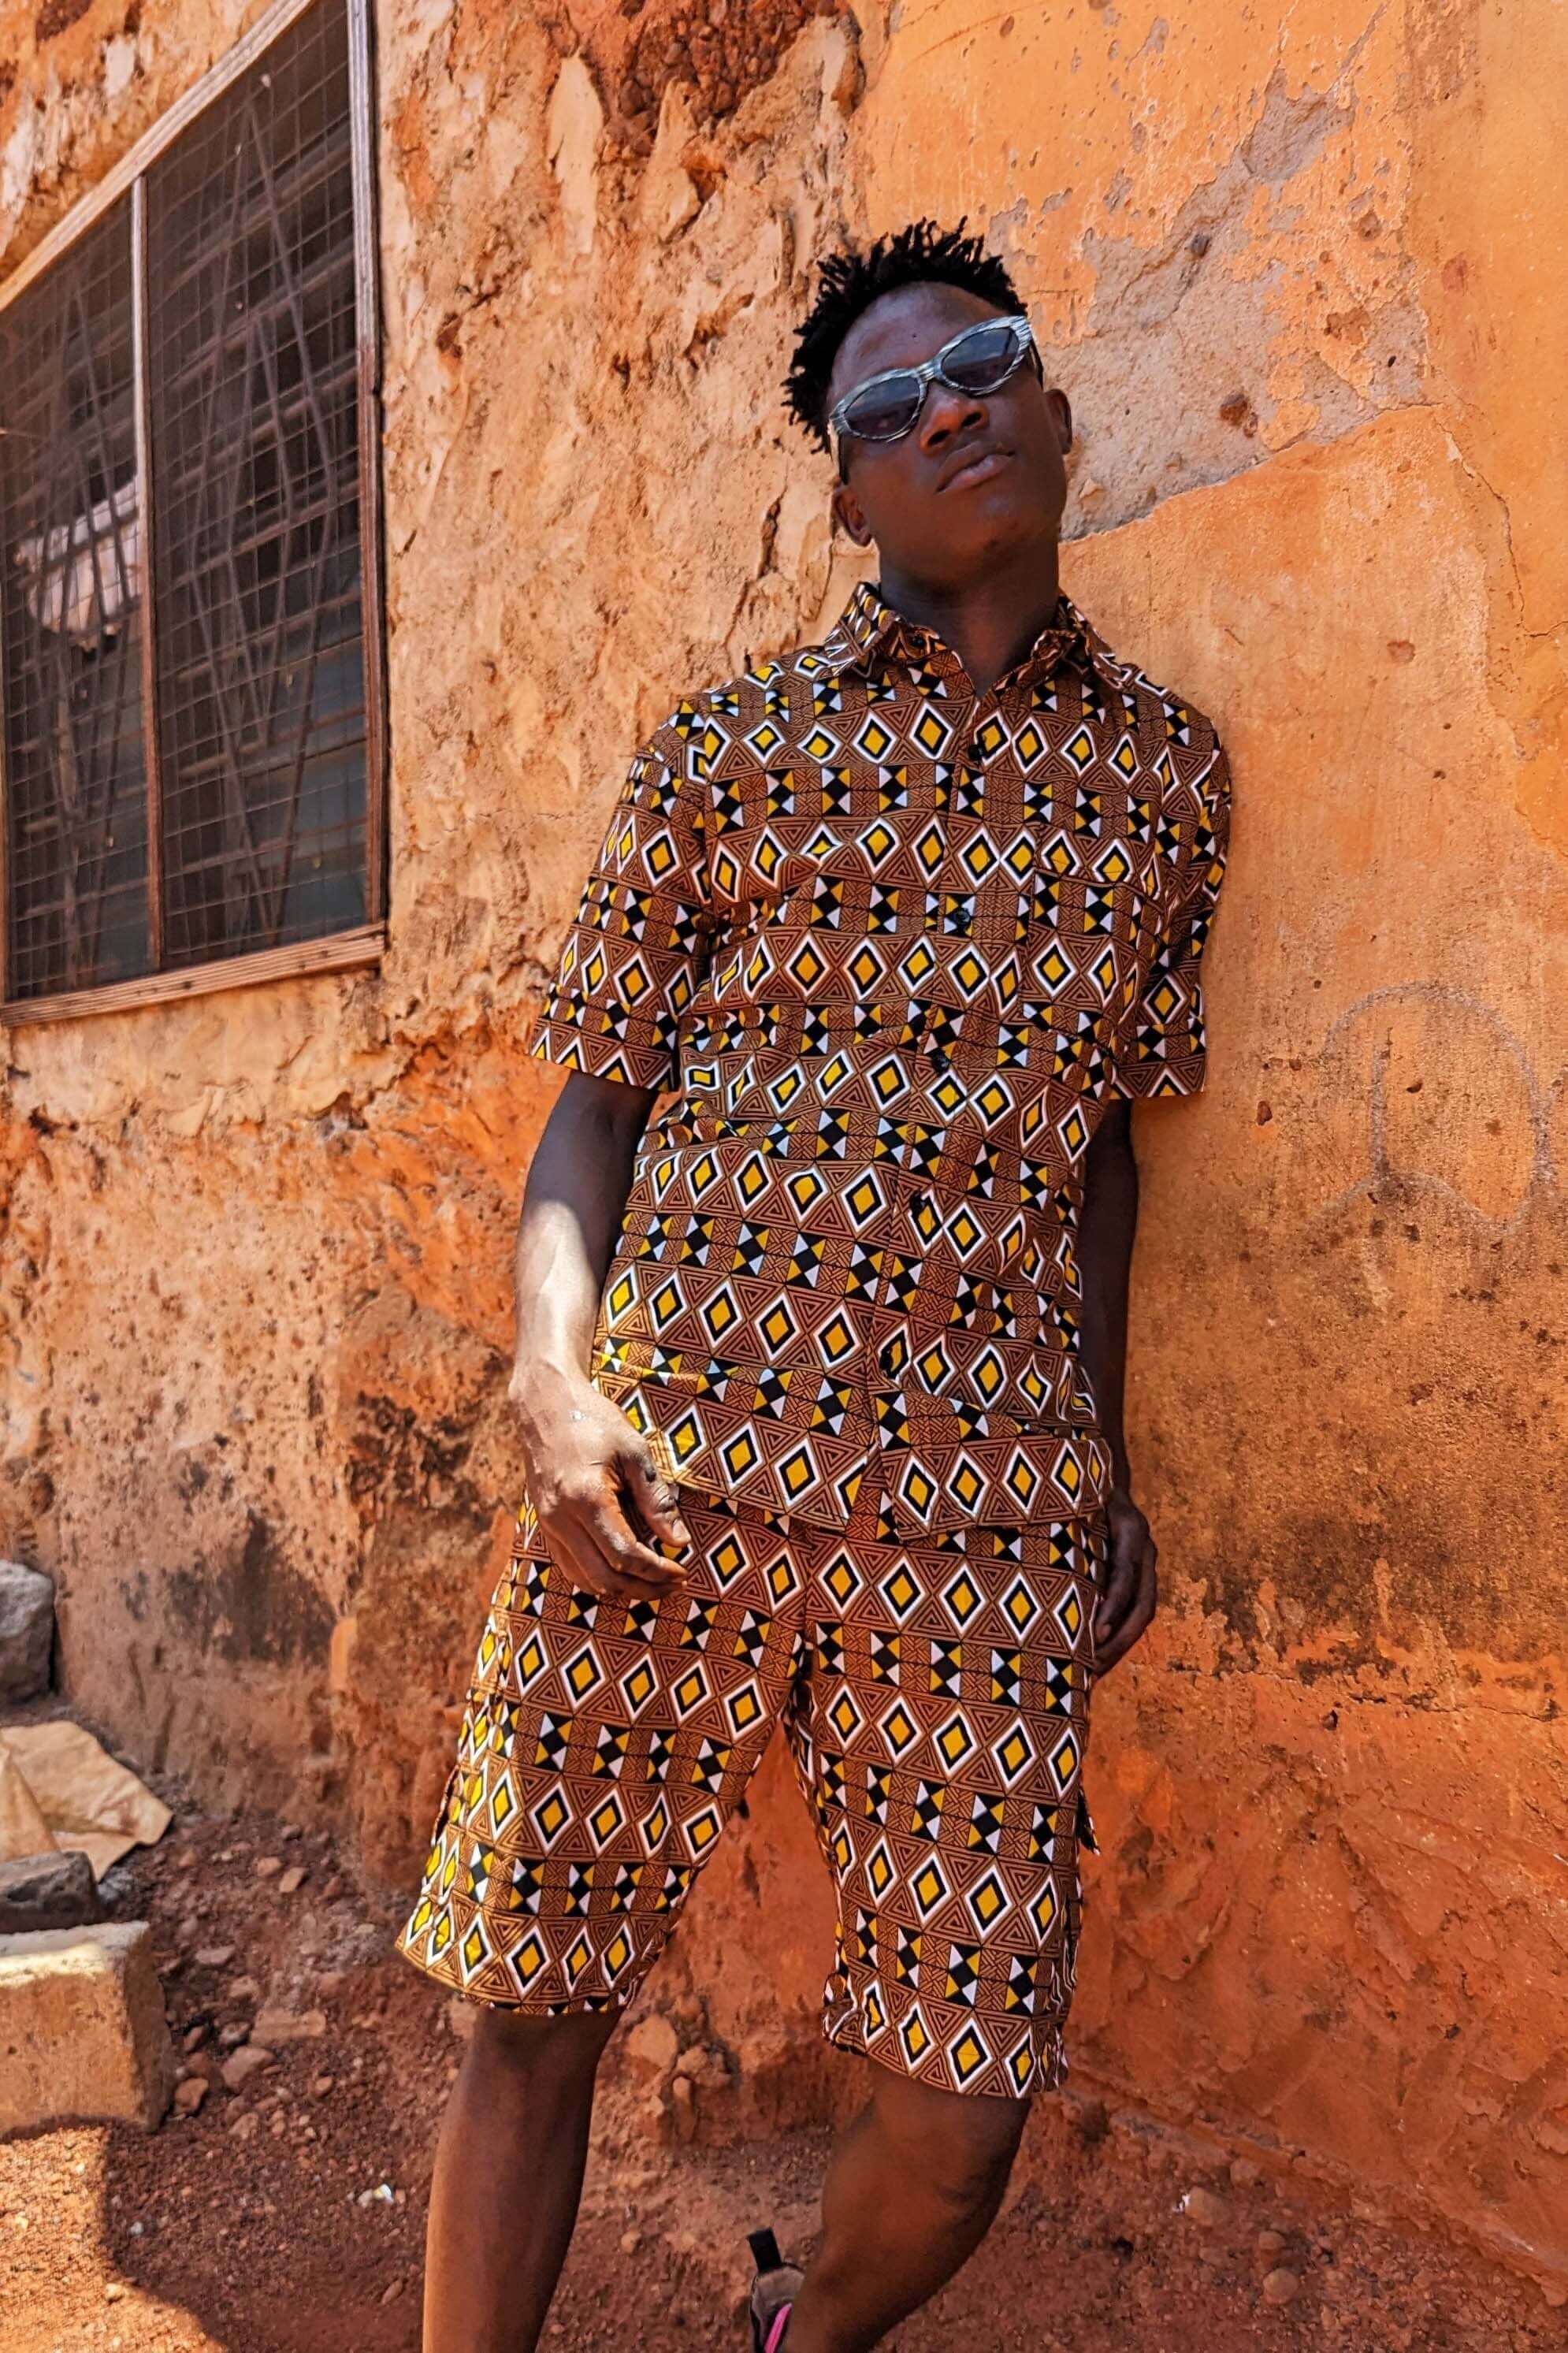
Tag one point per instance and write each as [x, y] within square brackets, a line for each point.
[977, 478]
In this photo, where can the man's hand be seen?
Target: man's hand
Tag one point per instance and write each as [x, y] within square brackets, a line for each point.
[1123, 1610]
[595, 1487]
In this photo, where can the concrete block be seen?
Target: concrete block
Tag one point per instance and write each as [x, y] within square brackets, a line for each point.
[82, 2030]
[27, 1631]
[47, 1891]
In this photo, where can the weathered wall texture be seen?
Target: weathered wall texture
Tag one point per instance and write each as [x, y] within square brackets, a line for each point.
[1302, 267]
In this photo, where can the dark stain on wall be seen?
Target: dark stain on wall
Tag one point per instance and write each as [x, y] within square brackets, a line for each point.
[252, 1609]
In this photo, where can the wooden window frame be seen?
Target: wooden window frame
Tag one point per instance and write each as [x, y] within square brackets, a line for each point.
[336, 951]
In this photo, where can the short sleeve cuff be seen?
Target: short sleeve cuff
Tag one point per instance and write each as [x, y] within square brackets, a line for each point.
[583, 1037]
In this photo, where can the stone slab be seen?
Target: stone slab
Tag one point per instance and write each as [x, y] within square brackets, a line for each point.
[47, 1891]
[82, 2031]
[27, 1631]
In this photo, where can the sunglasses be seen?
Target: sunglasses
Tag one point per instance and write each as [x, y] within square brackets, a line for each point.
[979, 360]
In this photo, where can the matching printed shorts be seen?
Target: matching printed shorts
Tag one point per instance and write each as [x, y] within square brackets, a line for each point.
[935, 1698]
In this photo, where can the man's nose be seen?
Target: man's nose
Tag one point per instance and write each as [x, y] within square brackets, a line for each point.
[948, 413]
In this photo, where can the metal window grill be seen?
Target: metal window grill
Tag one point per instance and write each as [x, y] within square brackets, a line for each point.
[189, 432]
[70, 625]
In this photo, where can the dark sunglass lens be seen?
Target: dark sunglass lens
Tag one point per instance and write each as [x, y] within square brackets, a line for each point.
[980, 360]
[884, 410]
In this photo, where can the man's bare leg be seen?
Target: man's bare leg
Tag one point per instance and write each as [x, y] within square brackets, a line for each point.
[509, 2173]
[913, 2187]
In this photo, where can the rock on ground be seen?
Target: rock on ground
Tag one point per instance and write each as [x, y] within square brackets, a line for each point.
[82, 2030]
[47, 1891]
[27, 1631]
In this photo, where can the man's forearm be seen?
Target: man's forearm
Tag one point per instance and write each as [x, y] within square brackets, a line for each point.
[1107, 1225]
[575, 1201]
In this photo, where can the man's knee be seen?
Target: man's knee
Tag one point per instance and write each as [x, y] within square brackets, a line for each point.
[963, 2148]
[506, 2045]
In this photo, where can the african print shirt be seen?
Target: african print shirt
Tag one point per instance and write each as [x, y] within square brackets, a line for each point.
[892, 948]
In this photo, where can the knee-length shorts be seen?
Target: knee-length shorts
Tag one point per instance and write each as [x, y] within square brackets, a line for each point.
[935, 1698]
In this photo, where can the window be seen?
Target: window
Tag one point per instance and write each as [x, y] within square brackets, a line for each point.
[190, 651]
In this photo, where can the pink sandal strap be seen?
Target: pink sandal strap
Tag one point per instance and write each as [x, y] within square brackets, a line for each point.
[776, 2333]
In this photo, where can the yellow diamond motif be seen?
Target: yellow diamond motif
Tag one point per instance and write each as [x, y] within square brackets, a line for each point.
[916, 2041]
[878, 842]
[929, 848]
[930, 733]
[754, 1179]
[930, 1887]
[607, 1820]
[840, 1581]
[1021, 1480]
[1014, 1753]
[836, 1340]
[967, 1485]
[1055, 966]
[744, 1709]
[967, 2055]
[969, 972]
[719, 1312]
[639, 1685]
[902, 1589]
[1114, 867]
[988, 1902]
[864, 968]
[685, 1439]
[807, 966]
[899, 1729]
[740, 1455]
[961, 1599]
[795, 1474]
[918, 1490]
[953, 1742]
[551, 1815]
[993, 1100]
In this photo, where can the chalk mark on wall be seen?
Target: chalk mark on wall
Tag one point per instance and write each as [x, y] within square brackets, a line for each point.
[1440, 1009]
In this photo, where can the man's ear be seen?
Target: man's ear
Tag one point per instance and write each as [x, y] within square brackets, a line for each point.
[1061, 410]
[847, 514]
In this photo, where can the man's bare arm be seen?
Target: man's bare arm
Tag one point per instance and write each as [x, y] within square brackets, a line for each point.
[1107, 1225]
[593, 1482]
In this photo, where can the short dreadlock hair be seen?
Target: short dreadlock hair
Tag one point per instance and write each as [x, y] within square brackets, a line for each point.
[850, 281]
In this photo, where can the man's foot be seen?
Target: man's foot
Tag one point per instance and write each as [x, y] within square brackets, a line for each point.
[774, 2292]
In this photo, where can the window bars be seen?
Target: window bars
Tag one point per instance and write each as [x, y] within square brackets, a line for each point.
[190, 603]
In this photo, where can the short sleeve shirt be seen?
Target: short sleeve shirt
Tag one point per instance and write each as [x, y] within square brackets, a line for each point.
[888, 950]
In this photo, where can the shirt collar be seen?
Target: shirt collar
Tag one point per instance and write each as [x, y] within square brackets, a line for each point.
[869, 628]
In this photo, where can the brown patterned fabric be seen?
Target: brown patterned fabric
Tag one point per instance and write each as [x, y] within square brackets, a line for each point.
[894, 948]
[935, 1698]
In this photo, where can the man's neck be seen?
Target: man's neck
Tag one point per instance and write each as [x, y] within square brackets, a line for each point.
[992, 624]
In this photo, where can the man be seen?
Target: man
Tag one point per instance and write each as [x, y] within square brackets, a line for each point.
[819, 1367]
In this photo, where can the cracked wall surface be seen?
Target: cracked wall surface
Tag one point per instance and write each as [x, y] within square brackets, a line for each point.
[1299, 269]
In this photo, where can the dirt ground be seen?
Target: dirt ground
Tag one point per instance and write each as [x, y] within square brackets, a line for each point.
[286, 2217]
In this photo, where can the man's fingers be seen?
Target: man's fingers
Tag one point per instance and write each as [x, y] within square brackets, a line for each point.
[1121, 1638]
[1120, 1586]
[614, 1536]
[656, 1500]
[598, 1551]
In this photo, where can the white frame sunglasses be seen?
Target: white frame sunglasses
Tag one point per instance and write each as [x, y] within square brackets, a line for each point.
[936, 371]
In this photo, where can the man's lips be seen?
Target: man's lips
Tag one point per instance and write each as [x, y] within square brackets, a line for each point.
[976, 465]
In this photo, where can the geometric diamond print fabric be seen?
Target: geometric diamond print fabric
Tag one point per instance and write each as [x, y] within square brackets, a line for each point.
[935, 1698]
[894, 948]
